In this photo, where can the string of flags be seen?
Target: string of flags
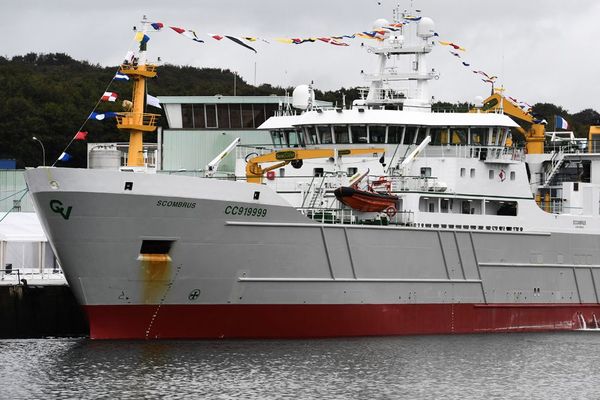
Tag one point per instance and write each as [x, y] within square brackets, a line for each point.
[244, 41]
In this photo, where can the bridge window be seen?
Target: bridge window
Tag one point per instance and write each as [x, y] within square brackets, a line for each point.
[459, 136]
[277, 137]
[421, 135]
[310, 135]
[395, 134]
[377, 133]
[325, 134]
[359, 134]
[478, 136]
[439, 136]
[341, 134]
[410, 134]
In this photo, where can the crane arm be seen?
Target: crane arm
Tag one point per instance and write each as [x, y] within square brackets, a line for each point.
[534, 133]
[255, 172]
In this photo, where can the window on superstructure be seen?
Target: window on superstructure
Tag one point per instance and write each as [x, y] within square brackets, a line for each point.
[187, 116]
[478, 136]
[342, 136]
[465, 207]
[501, 207]
[318, 172]
[211, 115]
[377, 133]
[459, 136]
[293, 138]
[491, 173]
[235, 116]
[512, 175]
[325, 134]
[311, 135]
[277, 137]
[421, 135]
[352, 171]
[395, 134]
[472, 172]
[462, 172]
[223, 116]
[439, 136]
[410, 134]
[359, 134]
[199, 119]
[247, 116]
[425, 172]
[444, 205]
[496, 136]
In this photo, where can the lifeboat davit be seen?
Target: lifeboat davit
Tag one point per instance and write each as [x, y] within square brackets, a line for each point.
[362, 200]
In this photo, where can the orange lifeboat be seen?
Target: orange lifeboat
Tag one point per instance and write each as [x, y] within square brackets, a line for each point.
[362, 200]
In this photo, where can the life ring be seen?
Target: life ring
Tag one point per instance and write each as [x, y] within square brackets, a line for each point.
[390, 211]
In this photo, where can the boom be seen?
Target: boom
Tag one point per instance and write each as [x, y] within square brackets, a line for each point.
[254, 171]
[533, 132]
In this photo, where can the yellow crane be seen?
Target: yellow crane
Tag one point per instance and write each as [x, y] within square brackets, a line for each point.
[534, 133]
[255, 172]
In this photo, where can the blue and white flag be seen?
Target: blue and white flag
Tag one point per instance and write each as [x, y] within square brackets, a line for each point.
[560, 123]
[102, 116]
[64, 157]
[121, 77]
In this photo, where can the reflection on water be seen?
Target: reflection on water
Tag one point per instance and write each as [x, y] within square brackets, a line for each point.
[530, 366]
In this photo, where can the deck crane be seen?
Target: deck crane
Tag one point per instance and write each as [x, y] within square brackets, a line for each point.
[533, 132]
[255, 172]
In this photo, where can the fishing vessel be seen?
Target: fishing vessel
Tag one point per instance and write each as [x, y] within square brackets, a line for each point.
[487, 235]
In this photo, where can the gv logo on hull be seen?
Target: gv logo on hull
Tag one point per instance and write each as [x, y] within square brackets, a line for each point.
[57, 207]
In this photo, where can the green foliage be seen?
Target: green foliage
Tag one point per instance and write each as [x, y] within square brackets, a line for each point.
[50, 96]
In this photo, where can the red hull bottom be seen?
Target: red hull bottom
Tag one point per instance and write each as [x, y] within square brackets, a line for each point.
[319, 321]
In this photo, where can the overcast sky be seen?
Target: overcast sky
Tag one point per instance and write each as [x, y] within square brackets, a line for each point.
[542, 51]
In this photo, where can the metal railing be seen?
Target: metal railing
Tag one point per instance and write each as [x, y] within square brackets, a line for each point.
[347, 216]
[137, 120]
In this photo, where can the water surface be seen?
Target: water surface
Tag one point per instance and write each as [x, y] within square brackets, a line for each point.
[498, 366]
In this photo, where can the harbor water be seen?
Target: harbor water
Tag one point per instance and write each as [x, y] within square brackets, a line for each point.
[491, 366]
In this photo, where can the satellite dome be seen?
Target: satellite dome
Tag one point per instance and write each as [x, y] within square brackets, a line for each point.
[426, 27]
[302, 97]
[380, 23]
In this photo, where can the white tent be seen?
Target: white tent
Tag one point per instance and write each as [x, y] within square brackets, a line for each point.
[23, 244]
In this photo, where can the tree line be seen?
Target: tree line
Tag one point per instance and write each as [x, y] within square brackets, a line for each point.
[50, 96]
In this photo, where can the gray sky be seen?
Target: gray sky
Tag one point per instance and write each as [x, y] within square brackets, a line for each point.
[542, 51]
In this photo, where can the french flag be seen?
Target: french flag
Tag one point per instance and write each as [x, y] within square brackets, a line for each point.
[109, 96]
[560, 123]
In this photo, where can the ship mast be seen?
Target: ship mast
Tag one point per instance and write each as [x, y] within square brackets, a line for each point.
[382, 92]
[135, 120]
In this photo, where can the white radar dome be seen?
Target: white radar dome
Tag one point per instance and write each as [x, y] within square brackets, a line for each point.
[426, 28]
[302, 97]
[380, 23]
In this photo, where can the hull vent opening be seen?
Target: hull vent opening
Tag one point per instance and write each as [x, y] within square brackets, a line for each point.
[155, 250]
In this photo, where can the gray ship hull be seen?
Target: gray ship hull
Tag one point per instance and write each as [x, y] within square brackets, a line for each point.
[154, 256]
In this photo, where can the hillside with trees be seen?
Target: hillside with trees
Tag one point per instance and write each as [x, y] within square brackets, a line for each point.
[50, 96]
